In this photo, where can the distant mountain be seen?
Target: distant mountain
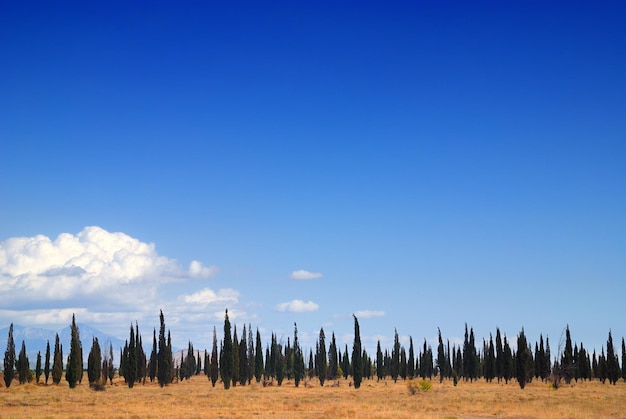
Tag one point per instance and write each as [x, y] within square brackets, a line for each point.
[36, 338]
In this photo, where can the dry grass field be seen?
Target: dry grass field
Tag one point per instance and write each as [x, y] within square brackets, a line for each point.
[196, 398]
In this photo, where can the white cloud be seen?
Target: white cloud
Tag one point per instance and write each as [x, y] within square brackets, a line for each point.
[297, 306]
[208, 296]
[304, 275]
[367, 314]
[117, 277]
[197, 270]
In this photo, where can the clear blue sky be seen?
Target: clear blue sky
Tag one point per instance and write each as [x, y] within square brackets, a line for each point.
[435, 163]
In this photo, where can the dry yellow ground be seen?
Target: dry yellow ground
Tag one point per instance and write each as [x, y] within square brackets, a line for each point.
[196, 398]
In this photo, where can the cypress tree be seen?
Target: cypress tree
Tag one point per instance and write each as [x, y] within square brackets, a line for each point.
[110, 370]
[298, 358]
[164, 358]
[227, 358]
[567, 359]
[214, 374]
[357, 361]
[623, 360]
[57, 365]
[243, 358]
[345, 364]
[235, 373]
[9, 359]
[602, 373]
[612, 363]
[333, 360]
[410, 361]
[288, 360]
[507, 362]
[379, 362]
[258, 358]
[522, 360]
[499, 356]
[321, 359]
[153, 358]
[251, 353]
[547, 359]
[94, 362]
[268, 357]
[130, 361]
[395, 357]
[74, 361]
[23, 366]
[46, 368]
[140, 355]
[281, 364]
[403, 366]
[441, 357]
[38, 368]
[490, 361]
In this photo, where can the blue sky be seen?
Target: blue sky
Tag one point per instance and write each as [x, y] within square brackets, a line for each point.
[435, 163]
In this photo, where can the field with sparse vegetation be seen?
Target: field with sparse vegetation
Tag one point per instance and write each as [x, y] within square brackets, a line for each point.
[386, 399]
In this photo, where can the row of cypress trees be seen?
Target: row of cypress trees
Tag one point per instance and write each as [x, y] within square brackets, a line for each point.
[239, 360]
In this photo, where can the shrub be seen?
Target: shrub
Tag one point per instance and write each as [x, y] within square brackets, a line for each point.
[422, 386]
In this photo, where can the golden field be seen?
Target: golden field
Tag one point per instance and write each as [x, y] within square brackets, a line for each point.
[196, 398]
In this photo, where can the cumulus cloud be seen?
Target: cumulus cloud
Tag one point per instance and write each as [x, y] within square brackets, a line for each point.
[367, 314]
[198, 270]
[304, 275]
[297, 306]
[116, 276]
[208, 296]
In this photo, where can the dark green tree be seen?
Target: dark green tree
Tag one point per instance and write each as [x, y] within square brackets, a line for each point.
[235, 378]
[403, 366]
[9, 359]
[23, 366]
[94, 362]
[567, 359]
[380, 363]
[164, 358]
[346, 368]
[623, 360]
[410, 361]
[140, 356]
[357, 360]
[333, 360]
[251, 355]
[258, 358]
[243, 358]
[321, 358]
[74, 360]
[508, 365]
[612, 363]
[153, 358]
[490, 361]
[130, 359]
[46, 368]
[523, 360]
[395, 357]
[281, 364]
[298, 358]
[499, 356]
[214, 368]
[38, 368]
[57, 363]
[227, 357]
[441, 357]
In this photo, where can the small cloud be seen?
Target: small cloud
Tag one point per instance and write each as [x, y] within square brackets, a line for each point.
[304, 275]
[208, 296]
[198, 270]
[368, 314]
[297, 306]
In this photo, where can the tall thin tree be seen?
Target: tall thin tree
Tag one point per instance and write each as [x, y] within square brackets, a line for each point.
[9, 358]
